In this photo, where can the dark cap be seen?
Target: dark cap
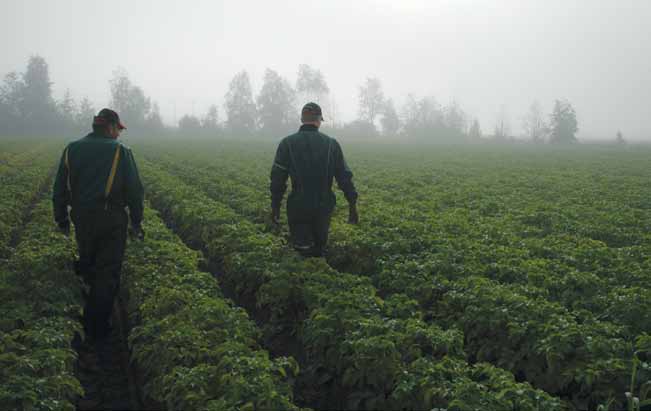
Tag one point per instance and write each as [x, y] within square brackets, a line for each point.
[108, 116]
[311, 112]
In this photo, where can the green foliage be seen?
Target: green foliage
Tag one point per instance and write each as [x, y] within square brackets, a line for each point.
[558, 240]
[353, 344]
[22, 176]
[563, 123]
[241, 112]
[129, 100]
[195, 349]
[40, 298]
[276, 102]
[480, 277]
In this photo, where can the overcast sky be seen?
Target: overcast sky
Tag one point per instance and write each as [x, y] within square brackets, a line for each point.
[485, 54]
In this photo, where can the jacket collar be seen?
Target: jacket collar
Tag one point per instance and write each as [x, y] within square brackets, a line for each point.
[94, 134]
[309, 127]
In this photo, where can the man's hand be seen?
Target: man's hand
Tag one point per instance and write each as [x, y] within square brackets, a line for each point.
[353, 216]
[275, 215]
[64, 227]
[137, 233]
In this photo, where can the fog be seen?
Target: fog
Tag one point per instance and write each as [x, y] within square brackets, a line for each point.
[493, 57]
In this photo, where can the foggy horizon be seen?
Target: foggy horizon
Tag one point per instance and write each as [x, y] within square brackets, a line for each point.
[488, 56]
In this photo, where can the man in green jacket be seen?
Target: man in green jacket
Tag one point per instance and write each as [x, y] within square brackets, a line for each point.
[97, 179]
[312, 160]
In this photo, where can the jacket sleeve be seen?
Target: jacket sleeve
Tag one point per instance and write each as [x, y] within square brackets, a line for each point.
[60, 191]
[135, 192]
[279, 174]
[343, 175]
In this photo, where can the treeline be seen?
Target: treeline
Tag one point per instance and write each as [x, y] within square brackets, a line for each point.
[27, 107]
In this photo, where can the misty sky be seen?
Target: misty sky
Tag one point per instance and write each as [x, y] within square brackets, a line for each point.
[485, 54]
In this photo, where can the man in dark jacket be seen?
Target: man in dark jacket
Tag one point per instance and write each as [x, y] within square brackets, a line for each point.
[312, 160]
[98, 179]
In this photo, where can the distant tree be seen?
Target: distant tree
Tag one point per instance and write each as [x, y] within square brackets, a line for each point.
[359, 129]
[455, 121]
[11, 95]
[311, 85]
[120, 91]
[85, 114]
[475, 130]
[422, 119]
[38, 107]
[67, 109]
[28, 105]
[37, 80]
[210, 122]
[189, 125]
[5, 117]
[276, 104]
[563, 123]
[11, 92]
[619, 139]
[390, 120]
[129, 100]
[502, 130]
[331, 112]
[371, 100]
[154, 121]
[240, 108]
[533, 124]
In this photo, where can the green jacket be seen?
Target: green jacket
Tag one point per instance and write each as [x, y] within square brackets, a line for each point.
[312, 160]
[97, 172]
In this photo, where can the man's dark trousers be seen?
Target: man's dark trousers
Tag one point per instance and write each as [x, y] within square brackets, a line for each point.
[101, 240]
[309, 233]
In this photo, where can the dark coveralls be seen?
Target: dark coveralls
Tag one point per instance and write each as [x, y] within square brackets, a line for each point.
[311, 159]
[98, 178]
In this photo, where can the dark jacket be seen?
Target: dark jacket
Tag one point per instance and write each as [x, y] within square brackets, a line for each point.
[84, 177]
[312, 160]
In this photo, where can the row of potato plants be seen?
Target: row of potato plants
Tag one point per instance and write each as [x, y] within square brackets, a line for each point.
[470, 197]
[587, 380]
[356, 349]
[25, 176]
[567, 266]
[581, 273]
[14, 148]
[555, 210]
[193, 348]
[598, 283]
[37, 359]
[571, 355]
[41, 303]
[14, 156]
[536, 192]
[469, 249]
[220, 183]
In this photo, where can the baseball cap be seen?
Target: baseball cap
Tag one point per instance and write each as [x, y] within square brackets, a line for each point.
[108, 116]
[311, 112]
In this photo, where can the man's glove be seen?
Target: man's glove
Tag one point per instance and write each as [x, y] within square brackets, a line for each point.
[137, 233]
[275, 215]
[64, 227]
[353, 217]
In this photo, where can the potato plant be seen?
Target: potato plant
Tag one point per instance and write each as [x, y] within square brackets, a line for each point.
[41, 302]
[193, 348]
[22, 177]
[551, 228]
[354, 347]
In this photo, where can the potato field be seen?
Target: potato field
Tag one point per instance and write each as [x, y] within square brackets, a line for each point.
[482, 277]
